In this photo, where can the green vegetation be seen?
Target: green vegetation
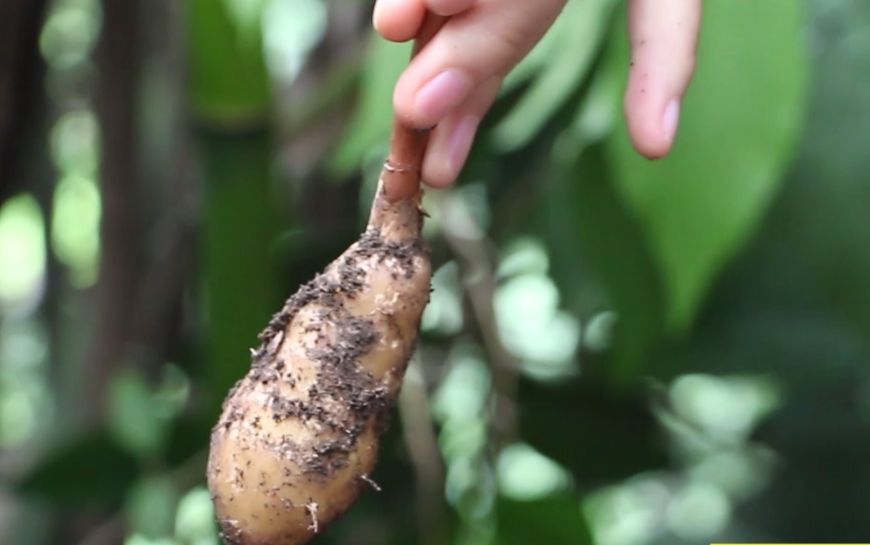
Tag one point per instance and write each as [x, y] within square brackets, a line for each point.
[616, 351]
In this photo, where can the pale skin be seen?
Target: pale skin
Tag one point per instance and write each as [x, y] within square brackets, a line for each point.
[454, 80]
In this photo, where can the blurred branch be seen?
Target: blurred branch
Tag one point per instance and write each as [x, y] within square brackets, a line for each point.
[174, 198]
[422, 445]
[473, 253]
[20, 85]
[316, 106]
[118, 61]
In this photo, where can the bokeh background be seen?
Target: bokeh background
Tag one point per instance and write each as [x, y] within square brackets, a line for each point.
[617, 351]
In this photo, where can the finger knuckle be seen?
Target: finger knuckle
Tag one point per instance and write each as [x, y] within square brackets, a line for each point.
[509, 43]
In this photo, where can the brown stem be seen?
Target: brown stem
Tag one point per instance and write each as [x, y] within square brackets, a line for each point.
[401, 174]
[118, 56]
[421, 441]
[473, 252]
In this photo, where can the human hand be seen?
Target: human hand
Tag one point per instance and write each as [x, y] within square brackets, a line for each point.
[454, 80]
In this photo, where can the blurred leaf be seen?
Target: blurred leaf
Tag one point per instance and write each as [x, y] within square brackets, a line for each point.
[239, 234]
[796, 306]
[740, 120]
[599, 436]
[572, 43]
[291, 29]
[599, 111]
[585, 212]
[93, 470]
[373, 115]
[613, 243]
[228, 78]
[553, 520]
[132, 415]
[150, 506]
[22, 251]
[195, 519]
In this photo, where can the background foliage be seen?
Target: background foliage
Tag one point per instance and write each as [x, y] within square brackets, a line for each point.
[617, 351]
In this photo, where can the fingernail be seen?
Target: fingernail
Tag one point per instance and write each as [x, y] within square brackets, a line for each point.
[459, 142]
[670, 119]
[440, 95]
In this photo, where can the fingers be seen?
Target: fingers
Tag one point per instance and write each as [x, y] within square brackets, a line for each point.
[474, 46]
[453, 80]
[664, 35]
[451, 140]
[398, 20]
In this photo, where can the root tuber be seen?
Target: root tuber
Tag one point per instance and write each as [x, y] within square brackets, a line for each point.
[298, 435]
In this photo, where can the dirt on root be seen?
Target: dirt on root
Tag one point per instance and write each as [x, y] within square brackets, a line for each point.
[345, 398]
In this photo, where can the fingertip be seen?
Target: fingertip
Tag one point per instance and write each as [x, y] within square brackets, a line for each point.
[424, 103]
[398, 20]
[648, 134]
[436, 172]
[649, 141]
[651, 149]
[652, 118]
[437, 177]
[448, 149]
[663, 39]
[451, 141]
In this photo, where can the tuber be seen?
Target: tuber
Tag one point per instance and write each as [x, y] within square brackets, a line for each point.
[298, 435]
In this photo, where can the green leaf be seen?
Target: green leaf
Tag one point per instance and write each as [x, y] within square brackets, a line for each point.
[93, 470]
[373, 116]
[740, 122]
[228, 77]
[584, 211]
[195, 519]
[238, 235]
[150, 506]
[571, 44]
[553, 520]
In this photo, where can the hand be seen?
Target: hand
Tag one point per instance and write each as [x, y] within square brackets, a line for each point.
[454, 80]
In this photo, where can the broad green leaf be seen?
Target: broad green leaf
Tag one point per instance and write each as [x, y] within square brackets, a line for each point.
[585, 213]
[373, 116]
[571, 45]
[228, 77]
[557, 519]
[238, 233]
[740, 122]
[613, 243]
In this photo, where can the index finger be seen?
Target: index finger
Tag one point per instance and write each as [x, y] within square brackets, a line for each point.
[664, 35]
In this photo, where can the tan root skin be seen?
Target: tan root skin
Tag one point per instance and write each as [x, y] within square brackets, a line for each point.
[298, 435]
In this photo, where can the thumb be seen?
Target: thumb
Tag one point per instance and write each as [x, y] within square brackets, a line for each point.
[485, 41]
